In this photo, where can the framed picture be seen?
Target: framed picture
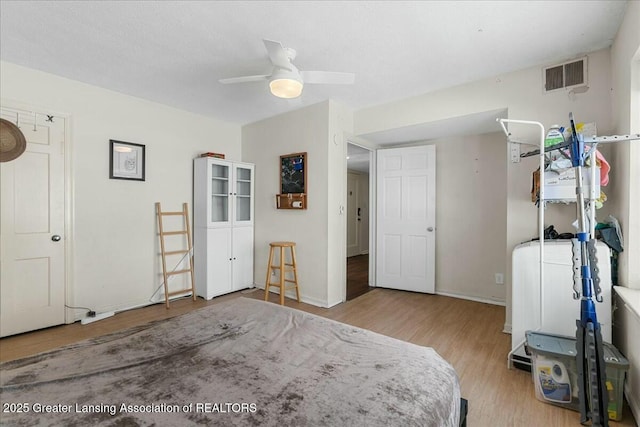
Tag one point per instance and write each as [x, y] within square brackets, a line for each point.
[126, 160]
[293, 173]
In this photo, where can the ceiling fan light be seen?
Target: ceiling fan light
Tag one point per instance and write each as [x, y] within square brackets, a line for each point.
[286, 88]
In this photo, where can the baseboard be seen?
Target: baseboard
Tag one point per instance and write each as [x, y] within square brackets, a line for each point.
[120, 309]
[306, 300]
[317, 303]
[332, 304]
[99, 316]
[476, 299]
[507, 328]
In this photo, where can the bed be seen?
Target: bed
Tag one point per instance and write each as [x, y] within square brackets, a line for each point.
[242, 362]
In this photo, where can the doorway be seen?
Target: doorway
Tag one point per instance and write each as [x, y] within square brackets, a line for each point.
[406, 218]
[358, 220]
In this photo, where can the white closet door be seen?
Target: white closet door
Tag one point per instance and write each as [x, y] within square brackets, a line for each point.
[242, 264]
[406, 218]
[32, 240]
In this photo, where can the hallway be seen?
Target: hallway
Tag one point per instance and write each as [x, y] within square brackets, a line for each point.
[357, 276]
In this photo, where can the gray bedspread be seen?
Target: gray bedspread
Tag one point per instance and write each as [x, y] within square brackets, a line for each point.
[245, 362]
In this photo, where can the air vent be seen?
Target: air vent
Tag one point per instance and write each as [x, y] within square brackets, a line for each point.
[567, 75]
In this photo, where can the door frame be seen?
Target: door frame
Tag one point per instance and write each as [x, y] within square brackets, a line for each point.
[373, 209]
[20, 106]
[350, 139]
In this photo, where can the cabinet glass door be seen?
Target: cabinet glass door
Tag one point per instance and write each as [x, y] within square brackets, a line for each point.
[219, 193]
[243, 194]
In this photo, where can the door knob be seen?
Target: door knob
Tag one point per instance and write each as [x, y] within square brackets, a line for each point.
[430, 229]
[56, 238]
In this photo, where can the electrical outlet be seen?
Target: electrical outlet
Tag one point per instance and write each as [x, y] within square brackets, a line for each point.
[499, 279]
[515, 153]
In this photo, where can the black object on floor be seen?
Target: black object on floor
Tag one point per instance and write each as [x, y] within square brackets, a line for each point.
[464, 407]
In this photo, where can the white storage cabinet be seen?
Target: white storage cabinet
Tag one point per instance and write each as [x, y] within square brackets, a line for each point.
[558, 312]
[223, 226]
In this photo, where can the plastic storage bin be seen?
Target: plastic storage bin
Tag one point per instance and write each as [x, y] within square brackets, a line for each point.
[561, 185]
[554, 372]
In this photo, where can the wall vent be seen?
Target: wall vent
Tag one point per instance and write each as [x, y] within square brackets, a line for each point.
[567, 75]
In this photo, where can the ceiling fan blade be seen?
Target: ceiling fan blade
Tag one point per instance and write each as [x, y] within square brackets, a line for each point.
[244, 79]
[277, 54]
[328, 77]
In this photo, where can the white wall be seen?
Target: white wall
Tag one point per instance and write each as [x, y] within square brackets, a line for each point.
[625, 65]
[520, 92]
[114, 243]
[625, 60]
[340, 125]
[320, 230]
[471, 213]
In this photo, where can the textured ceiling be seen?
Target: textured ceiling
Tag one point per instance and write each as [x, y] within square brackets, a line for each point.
[174, 52]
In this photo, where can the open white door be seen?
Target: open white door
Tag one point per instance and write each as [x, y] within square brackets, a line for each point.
[406, 218]
[32, 215]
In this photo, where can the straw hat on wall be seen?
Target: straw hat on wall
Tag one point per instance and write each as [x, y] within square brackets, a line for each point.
[12, 142]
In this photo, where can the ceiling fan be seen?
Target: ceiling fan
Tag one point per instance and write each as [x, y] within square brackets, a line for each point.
[285, 80]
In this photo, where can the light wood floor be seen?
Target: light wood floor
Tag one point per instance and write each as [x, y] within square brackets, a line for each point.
[467, 334]
[357, 276]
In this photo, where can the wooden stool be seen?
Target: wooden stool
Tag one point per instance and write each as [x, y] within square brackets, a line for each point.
[284, 268]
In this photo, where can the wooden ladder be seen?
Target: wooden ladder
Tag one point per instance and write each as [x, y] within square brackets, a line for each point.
[188, 253]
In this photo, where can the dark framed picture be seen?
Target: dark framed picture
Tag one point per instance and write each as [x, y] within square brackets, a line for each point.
[126, 160]
[293, 173]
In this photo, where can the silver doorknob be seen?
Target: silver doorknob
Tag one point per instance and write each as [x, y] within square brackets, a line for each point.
[430, 229]
[56, 238]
